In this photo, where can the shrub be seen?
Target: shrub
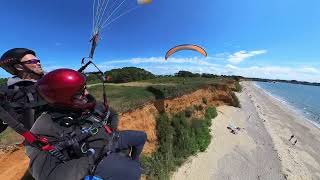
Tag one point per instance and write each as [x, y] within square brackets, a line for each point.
[188, 112]
[178, 139]
[204, 100]
[238, 86]
[202, 133]
[198, 107]
[235, 100]
[161, 162]
[184, 140]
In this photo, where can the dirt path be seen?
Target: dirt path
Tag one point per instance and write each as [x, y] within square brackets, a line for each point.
[13, 165]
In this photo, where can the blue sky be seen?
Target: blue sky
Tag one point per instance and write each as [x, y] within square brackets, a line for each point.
[265, 38]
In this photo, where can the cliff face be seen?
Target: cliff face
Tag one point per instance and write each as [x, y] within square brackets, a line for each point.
[144, 118]
[14, 164]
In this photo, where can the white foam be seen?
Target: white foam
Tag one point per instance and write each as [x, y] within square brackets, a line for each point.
[289, 106]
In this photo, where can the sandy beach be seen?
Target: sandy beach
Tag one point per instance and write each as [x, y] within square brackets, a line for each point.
[261, 150]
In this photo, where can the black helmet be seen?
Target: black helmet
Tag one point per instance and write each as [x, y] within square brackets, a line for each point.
[12, 57]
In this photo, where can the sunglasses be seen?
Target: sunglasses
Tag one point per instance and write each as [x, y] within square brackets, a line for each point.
[31, 61]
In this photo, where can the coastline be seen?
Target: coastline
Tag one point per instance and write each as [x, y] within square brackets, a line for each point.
[247, 155]
[288, 105]
[299, 161]
[261, 149]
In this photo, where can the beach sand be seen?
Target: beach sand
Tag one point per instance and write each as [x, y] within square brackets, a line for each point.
[261, 150]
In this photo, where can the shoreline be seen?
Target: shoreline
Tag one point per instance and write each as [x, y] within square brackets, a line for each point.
[299, 160]
[295, 110]
[247, 155]
[262, 149]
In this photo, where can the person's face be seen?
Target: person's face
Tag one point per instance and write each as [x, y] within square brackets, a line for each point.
[82, 96]
[30, 62]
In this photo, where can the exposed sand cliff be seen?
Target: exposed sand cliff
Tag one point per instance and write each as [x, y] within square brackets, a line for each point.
[14, 164]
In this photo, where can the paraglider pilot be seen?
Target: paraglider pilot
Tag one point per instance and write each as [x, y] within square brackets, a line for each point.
[81, 135]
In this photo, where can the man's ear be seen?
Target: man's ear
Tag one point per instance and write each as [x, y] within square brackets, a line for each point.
[19, 67]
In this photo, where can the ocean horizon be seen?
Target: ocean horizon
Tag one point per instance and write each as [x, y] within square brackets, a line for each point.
[303, 99]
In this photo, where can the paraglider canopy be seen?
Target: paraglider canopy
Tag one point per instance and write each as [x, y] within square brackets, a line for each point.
[186, 47]
[106, 12]
[144, 1]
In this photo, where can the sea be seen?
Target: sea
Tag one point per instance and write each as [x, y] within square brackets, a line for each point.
[303, 99]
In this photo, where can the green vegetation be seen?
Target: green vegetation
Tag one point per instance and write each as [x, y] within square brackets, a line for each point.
[186, 74]
[204, 101]
[179, 137]
[172, 87]
[238, 86]
[9, 136]
[235, 100]
[123, 98]
[93, 79]
[198, 107]
[129, 74]
[3, 81]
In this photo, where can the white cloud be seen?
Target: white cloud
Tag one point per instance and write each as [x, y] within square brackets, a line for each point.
[212, 65]
[158, 65]
[310, 70]
[231, 66]
[240, 56]
[161, 60]
[310, 74]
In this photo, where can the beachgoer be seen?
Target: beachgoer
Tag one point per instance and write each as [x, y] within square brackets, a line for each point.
[295, 142]
[292, 136]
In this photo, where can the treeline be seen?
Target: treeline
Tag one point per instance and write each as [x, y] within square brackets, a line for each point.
[282, 81]
[190, 74]
[129, 74]
[122, 75]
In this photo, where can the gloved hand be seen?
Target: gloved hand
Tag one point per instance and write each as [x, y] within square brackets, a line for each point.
[106, 114]
[101, 110]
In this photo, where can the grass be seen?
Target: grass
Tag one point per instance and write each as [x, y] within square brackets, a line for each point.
[190, 81]
[9, 136]
[124, 98]
[180, 86]
[179, 137]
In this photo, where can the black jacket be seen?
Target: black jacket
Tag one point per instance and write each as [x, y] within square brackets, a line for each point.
[20, 99]
[44, 166]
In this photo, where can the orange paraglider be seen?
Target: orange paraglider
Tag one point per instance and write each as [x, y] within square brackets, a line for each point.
[186, 47]
[144, 1]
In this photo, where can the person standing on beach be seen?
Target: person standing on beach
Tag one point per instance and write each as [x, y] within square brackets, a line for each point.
[292, 136]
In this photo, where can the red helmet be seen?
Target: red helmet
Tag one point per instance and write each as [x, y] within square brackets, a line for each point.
[60, 88]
